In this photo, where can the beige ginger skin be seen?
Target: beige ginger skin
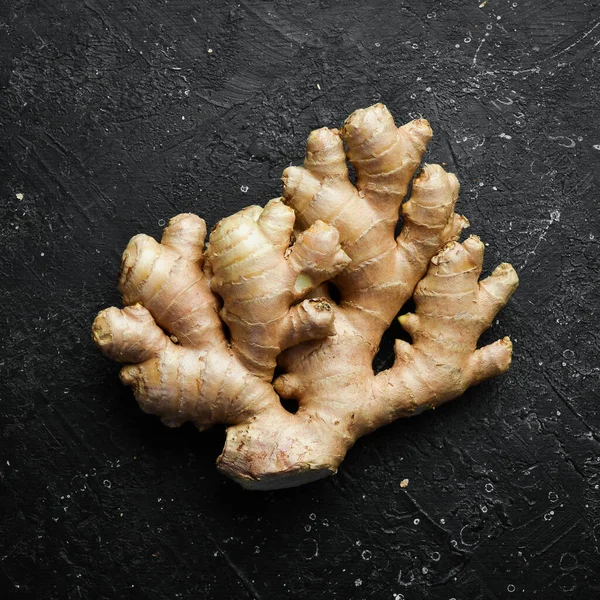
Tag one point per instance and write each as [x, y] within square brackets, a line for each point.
[263, 272]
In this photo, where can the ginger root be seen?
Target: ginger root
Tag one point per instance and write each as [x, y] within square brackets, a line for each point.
[264, 274]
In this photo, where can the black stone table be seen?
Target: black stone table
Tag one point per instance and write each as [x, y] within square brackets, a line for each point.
[116, 115]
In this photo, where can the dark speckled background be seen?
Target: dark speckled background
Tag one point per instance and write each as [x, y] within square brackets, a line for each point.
[117, 114]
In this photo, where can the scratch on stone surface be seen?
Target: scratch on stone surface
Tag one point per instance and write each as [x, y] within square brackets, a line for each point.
[554, 541]
[477, 51]
[51, 434]
[456, 570]
[452, 153]
[586, 34]
[425, 513]
[565, 455]
[554, 218]
[215, 102]
[239, 573]
[547, 533]
[568, 404]
[183, 140]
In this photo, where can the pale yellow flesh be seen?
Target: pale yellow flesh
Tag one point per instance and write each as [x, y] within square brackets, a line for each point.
[269, 292]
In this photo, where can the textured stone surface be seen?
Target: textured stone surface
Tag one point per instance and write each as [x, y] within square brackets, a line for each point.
[114, 116]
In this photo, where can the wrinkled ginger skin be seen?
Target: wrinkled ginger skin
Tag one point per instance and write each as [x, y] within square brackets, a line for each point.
[263, 273]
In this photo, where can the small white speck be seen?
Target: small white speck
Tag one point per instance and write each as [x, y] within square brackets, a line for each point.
[8, 462]
[41, 254]
[457, 45]
[21, 196]
[427, 89]
[358, 543]
[244, 189]
[318, 86]
[377, 45]
[182, 118]
[595, 147]
[107, 484]
[443, 521]
[404, 483]
[210, 50]
[358, 582]
[505, 136]
[424, 570]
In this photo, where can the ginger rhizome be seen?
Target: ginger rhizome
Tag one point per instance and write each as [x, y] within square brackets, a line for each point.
[266, 273]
